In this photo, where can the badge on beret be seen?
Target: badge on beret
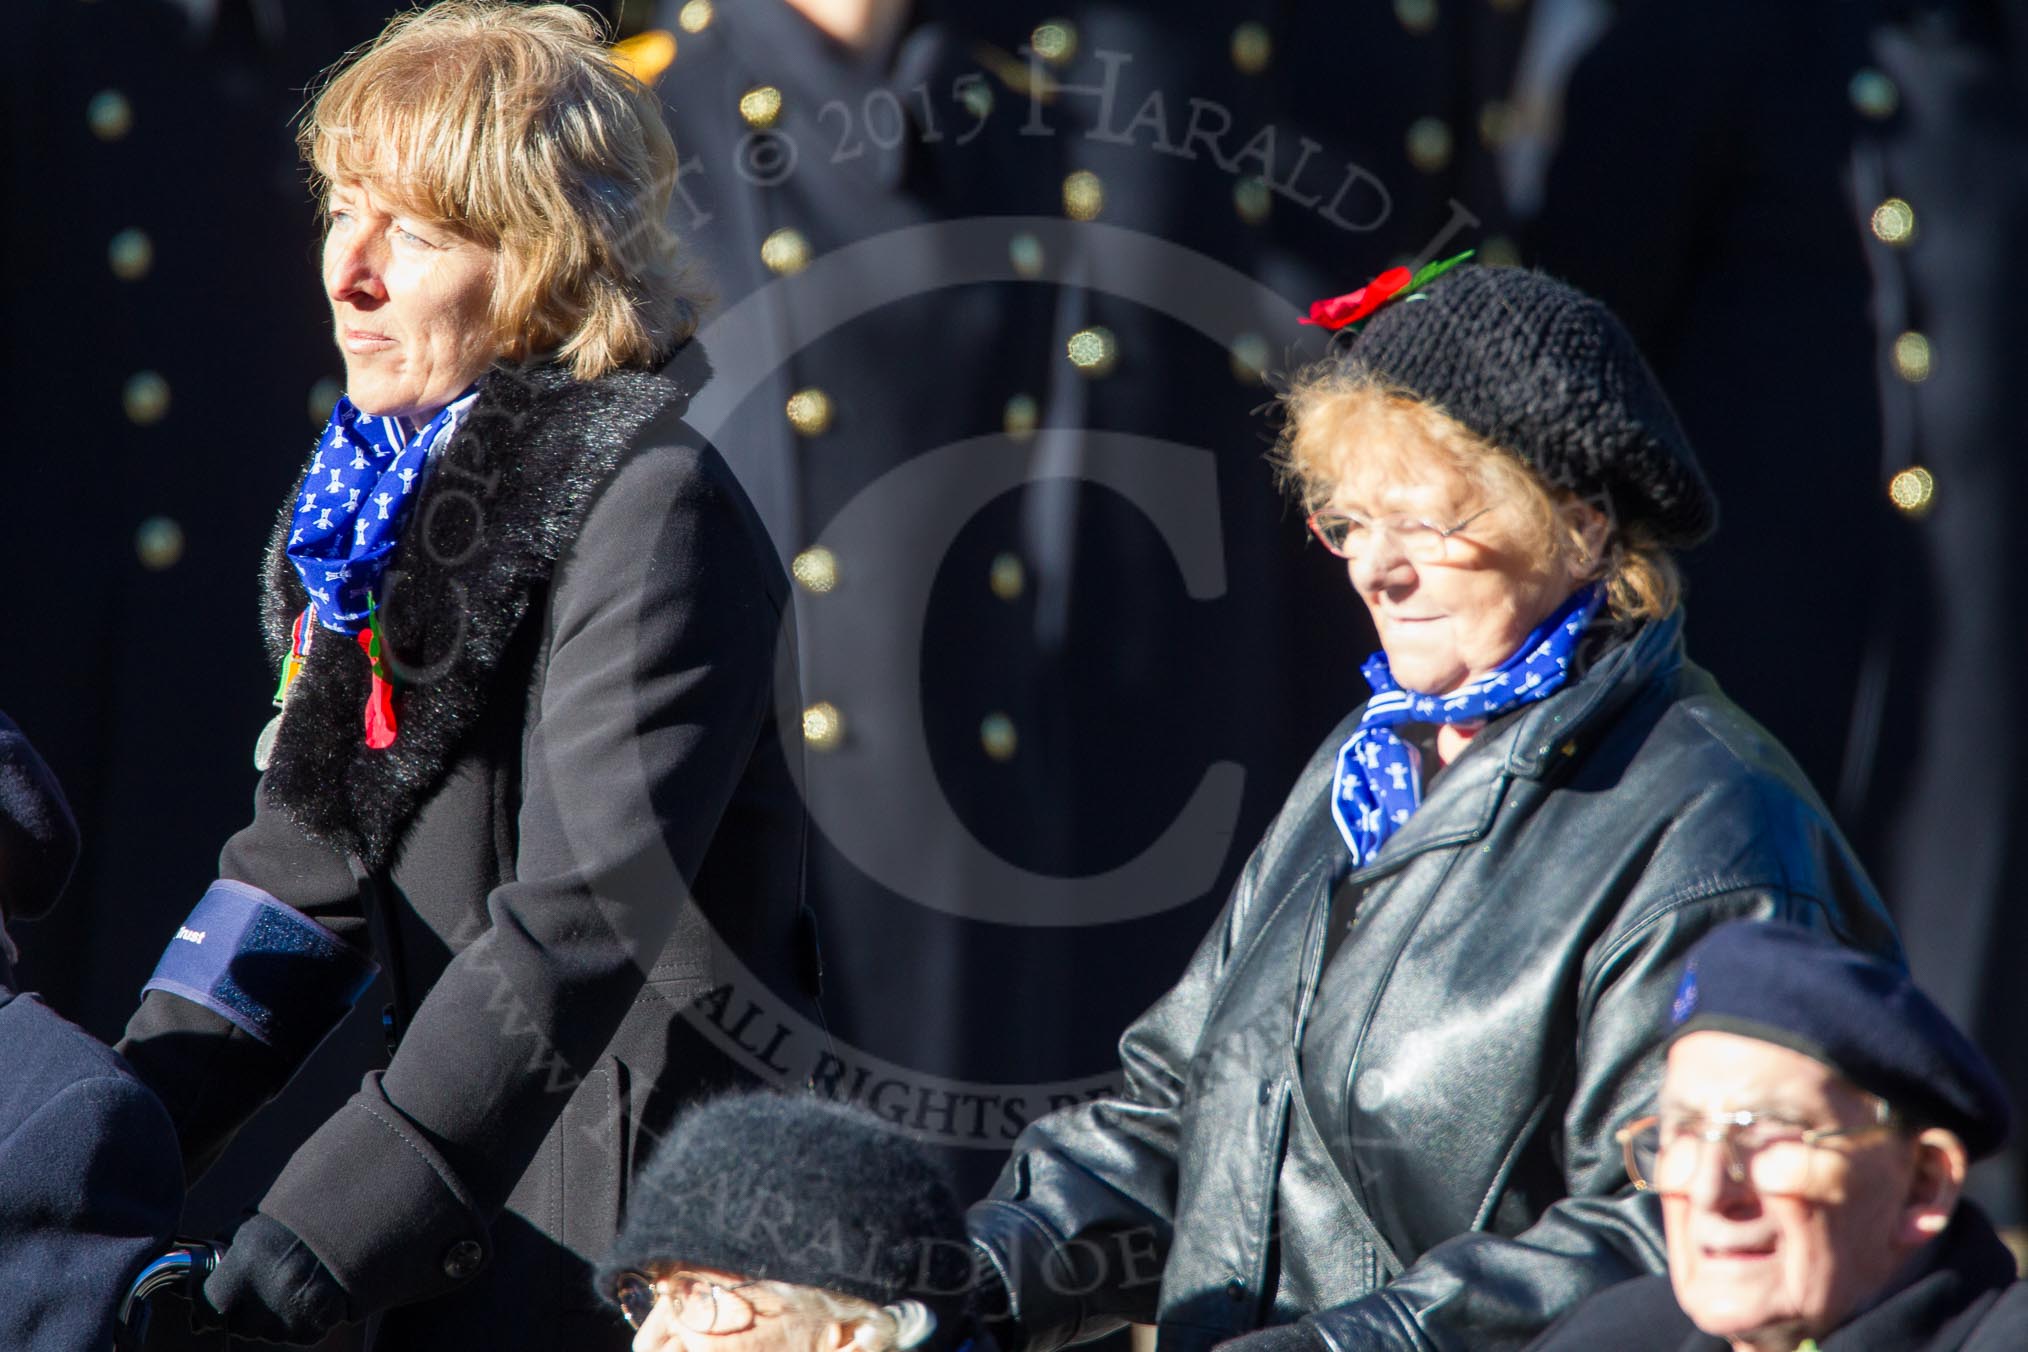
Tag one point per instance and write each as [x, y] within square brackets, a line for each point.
[1686, 995]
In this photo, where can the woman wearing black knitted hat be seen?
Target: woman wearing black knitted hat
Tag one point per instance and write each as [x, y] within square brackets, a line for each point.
[1377, 1110]
[768, 1223]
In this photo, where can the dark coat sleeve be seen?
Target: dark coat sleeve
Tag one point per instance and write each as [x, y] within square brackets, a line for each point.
[92, 1193]
[1078, 1226]
[660, 639]
[211, 1075]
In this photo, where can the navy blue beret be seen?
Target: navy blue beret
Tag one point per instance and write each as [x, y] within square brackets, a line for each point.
[38, 836]
[1861, 1016]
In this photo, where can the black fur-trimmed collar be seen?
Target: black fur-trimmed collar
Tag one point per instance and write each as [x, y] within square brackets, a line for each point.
[501, 505]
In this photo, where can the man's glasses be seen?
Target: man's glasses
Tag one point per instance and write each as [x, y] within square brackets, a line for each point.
[1779, 1156]
[700, 1305]
[1346, 533]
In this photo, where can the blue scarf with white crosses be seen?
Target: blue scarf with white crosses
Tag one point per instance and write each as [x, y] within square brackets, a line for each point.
[1379, 784]
[354, 502]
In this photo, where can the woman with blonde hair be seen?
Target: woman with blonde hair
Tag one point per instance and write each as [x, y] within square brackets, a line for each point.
[527, 762]
[1377, 1110]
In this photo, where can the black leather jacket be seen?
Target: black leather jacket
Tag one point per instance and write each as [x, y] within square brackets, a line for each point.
[1514, 955]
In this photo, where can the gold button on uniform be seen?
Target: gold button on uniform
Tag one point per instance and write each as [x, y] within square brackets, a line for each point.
[1913, 490]
[1249, 358]
[823, 726]
[1251, 199]
[1093, 351]
[130, 255]
[1894, 221]
[109, 115]
[761, 106]
[1429, 144]
[996, 735]
[1874, 94]
[1024, 251]
[1417, 16]
[1008, 578]
[696, 16]
[809, 411]
[146, 397]
[978, 99]
[1911, 357]
[1252, 48]
[1084, 197]
[159, 543]
[816, 568]
[1496, 123]
[1054, 41]
[785, 251]
[1021, 416]
[1500, 252]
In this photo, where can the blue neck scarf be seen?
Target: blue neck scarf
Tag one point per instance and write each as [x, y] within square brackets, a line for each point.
[349, 515]
[1379, 783]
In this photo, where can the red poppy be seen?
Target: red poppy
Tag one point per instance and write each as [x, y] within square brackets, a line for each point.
[1339, 311]
[380, 727]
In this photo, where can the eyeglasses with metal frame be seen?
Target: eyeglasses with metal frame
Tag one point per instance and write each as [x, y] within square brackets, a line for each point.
[1770, 1150]
[1345, 533]
[696, 1302]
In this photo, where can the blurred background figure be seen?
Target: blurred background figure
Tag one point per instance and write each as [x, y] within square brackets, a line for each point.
[1807, 214]
[92, 1185]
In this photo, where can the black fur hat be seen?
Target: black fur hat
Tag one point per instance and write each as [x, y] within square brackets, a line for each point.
[1539, 368]
[803, 1190]
[38, 836]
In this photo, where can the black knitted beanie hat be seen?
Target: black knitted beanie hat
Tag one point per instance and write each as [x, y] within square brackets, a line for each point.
[1539, 368]
[803, 1190]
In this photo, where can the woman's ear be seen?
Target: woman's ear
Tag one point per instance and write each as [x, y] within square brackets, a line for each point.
[1934, 1186]
[1590, 531]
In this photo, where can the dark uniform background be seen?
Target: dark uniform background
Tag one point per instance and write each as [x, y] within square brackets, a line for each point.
[1716, 178]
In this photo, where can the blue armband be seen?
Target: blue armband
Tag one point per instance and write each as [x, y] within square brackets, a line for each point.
[269, 969]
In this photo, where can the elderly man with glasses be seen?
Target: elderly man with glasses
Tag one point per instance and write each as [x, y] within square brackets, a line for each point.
[1809, 1148]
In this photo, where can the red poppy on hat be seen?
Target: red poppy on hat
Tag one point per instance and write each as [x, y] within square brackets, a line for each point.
[1343, 312]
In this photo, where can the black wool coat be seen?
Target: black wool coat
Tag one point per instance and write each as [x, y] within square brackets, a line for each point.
[590, 623]
[1963, 1298]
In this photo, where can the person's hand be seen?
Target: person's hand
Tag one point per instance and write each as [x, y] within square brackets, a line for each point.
[1296, 1337]
[269, 1287]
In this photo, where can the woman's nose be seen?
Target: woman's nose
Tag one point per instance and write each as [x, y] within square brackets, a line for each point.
[352, 271]
[1377, 563]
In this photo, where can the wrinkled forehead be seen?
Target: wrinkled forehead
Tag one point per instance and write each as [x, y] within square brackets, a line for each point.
[1715, 1071]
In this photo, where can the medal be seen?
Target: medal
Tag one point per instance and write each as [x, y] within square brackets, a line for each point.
[292, 667]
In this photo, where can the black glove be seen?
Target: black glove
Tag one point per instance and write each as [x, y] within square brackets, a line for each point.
[1300, 1336]
[269, 1287]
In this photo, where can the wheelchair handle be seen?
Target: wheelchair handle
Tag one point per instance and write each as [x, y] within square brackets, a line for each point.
[185, 1266]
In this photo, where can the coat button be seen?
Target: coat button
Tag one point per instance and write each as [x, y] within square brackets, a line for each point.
[1055, 41]
[1094, 351]
[1912, 491]
[816, 568]
[1235, 1289]
[696, 16]
[1252, 47]
[998, 737]
[1267, 1091]
[1894, 221]
[1874, 94]
[785, 252]
[823, 726]
[809, 411]
[1084, 196]
[761, 106]
[1911, 357]
[1429, 144]
[462, 1259]
[1007, 578]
